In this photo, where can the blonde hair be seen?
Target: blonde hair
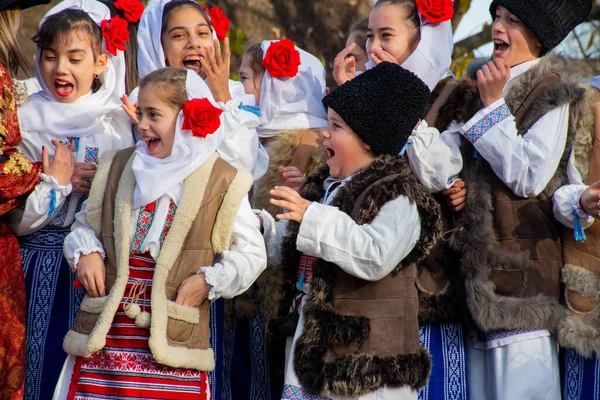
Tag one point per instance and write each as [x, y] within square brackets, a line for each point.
[170, 82]
[11, 55]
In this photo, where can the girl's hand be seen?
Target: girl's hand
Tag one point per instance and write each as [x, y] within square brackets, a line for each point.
[217, 67]
[62, 165]
[130, 109]
[291, 177]
[456, 196]
[92, 274]
[82, 177]
[491, 79]
[380, 55]
[344, 67]
[590, 200]
[291, 201]
[193, 291]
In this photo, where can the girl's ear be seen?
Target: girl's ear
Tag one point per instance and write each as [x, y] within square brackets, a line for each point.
[101, 62]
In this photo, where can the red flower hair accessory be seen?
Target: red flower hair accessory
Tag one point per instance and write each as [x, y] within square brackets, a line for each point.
[436, 11]
[201, 117]
[115, 34]
[219, 21]
[132, 9]
[282, 59]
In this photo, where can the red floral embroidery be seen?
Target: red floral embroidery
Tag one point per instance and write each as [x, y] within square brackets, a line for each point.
[115, 34]
[436, 11]
[219, 21]
[132, 9]
[201, 117]
[282, 59]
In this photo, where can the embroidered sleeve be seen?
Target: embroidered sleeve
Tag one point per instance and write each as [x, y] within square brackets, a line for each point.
[484, 120]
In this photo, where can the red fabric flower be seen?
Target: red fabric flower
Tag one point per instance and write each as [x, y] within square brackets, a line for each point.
[201, 117]
[219, 21]
[282, 59]
[115, 34]
[436, 11]
[132, 9]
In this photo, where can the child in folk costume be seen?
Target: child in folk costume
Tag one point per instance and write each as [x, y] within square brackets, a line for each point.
[181, 33]
[357, 35]
[418, 36]
[82, 76]
[288, 84]
[170, 246]
[18, 178]
[513, 154]
[576, 206]
[350, 249]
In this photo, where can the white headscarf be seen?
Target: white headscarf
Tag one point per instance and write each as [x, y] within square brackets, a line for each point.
[150, 52]
[188, 154]
[293, 103]
[86, 116]
[432, 58]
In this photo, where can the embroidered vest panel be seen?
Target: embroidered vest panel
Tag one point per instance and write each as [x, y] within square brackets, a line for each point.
[349, 321]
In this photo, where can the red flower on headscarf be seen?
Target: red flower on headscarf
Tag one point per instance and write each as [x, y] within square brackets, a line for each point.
[282, 59]
[219, 21]
[201, 117]
[132, 9]
[115, 34]
[436, 11]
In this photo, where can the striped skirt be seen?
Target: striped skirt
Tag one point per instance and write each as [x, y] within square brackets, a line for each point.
[125, 367]
[580, 376]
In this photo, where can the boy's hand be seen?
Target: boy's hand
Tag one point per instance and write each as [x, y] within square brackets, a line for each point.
[291, 201]
[291, 177]
[130, 109]
[217, 68]
[193, 291]
[456, 196]
[590, 200]
[92, 274]
[491, 79]
[344, 67]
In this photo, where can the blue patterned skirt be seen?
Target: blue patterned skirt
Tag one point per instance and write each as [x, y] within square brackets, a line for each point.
[446, 344]
[52, 304]
[579, 376]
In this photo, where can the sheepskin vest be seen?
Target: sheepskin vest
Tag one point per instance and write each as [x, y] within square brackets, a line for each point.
[510, 246]
[580, 326]
[349, 321]
[179, 335]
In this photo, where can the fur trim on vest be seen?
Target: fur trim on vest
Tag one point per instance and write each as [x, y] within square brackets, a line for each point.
[475, 239]
[357, 373]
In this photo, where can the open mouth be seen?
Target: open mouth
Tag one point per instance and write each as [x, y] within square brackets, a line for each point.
[500, 47]
[63, 88]
[152, 143]
[330, 153]
[193, 62]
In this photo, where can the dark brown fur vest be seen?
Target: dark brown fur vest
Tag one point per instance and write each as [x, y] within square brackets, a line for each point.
[510, 246]
[335, 354]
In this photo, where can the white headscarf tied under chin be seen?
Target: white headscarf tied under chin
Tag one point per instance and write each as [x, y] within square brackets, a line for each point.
[293, 103]
[86, 116]
[150, 52]
[188, 154]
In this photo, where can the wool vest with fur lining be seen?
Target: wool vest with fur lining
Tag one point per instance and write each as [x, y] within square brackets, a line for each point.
[201, 229]
[359, 335]
[510, 247]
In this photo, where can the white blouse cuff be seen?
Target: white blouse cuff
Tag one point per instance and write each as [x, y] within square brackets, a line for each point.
[50, 180]
[211, 274]
[583, 216]
[485, 120]
[85, 252]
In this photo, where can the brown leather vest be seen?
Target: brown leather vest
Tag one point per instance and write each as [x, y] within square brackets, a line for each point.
[196, 250]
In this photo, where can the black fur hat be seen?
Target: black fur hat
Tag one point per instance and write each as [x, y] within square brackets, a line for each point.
[382, 106]
[550, 20]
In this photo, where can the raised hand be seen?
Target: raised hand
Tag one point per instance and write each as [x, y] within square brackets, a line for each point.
[63, 164]
[130, 109]
[91, 272]
[380, 55]
[291, 177]
[491, 79]
[217, 67]
[291, 201]
[344, 67]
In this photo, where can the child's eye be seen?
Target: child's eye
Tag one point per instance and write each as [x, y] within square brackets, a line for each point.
[177, 36]
[49, 58]
[75, 61]
[369, 36]
[203, 34]
[336, 126]
[154, 115]
[514, 20]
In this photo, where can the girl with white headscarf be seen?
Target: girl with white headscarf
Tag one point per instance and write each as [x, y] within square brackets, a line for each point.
[81, 74]
[179, 33]
[183, 236]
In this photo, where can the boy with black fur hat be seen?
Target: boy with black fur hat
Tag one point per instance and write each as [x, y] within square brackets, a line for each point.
[526, 140]
[354, 235]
